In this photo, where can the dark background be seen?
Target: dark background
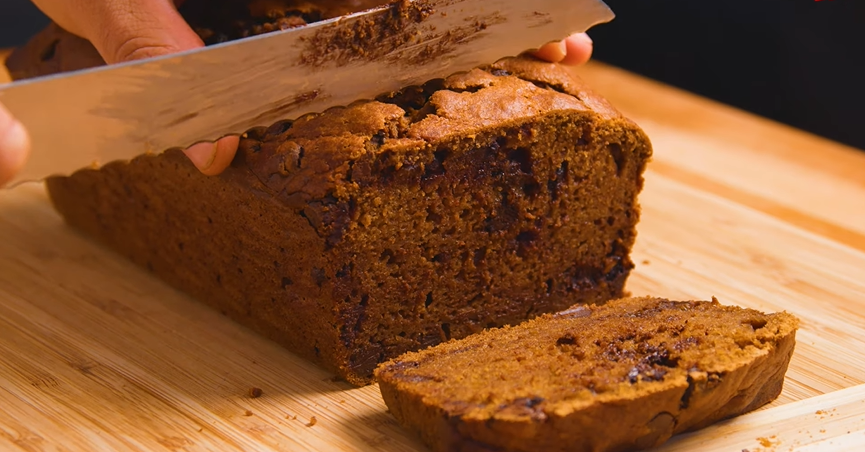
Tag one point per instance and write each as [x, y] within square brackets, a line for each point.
[801, 62]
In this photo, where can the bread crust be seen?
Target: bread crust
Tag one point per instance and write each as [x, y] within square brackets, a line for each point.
[628, 416]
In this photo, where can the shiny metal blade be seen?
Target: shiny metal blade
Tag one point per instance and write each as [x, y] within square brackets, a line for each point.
[91, 117]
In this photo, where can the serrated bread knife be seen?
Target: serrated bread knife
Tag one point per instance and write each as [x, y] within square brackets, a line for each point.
[88, 118]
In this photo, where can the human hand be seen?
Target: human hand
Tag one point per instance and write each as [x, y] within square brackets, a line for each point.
[126, 30]
[573, 51]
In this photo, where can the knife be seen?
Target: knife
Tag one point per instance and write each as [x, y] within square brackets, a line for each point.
[87, 118]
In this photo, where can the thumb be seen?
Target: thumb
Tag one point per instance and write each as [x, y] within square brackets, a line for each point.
[14, 146]
[135, 29]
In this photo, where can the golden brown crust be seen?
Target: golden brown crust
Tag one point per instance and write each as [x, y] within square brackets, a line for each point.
[561, 79]
[624, 376]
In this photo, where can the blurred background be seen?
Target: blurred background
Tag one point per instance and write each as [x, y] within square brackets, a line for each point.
[800, 62]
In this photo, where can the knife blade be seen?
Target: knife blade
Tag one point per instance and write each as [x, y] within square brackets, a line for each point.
[87, 118]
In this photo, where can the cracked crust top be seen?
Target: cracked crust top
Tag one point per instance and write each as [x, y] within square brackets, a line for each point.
[413, 120]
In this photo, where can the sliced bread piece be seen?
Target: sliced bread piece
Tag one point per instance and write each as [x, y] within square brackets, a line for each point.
[623, 376]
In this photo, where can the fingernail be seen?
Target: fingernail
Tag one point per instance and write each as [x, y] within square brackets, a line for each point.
[584, 37]
[202, 155]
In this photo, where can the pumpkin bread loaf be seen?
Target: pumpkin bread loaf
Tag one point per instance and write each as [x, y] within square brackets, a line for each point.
[358, 234]
[623, 376]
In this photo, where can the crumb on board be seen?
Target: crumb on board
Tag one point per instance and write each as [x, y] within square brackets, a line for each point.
[768, 442]
[254, 392]
[288, 416]
[312, 421]
[342, 401]
[646, 262]
[200, 429]
[820, 412]
[247, 413]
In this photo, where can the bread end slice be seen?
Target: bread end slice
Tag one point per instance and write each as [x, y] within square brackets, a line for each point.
[625, 375]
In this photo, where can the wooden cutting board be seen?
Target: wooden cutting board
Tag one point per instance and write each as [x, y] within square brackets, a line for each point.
[97, 354]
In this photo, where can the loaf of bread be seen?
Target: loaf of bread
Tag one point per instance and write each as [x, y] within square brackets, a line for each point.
[390, 225]
[624, 376]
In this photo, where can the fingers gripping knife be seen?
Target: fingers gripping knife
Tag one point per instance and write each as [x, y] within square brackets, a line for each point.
[92, 117]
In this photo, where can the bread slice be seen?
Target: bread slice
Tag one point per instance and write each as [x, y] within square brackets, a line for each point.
[360, 233]
[626, 375]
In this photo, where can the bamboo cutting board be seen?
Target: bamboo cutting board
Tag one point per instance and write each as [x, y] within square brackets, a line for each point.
[96, 354]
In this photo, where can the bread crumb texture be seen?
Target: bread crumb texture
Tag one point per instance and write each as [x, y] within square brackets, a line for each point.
[626, 375]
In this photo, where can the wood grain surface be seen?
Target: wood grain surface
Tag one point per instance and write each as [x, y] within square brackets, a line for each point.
[97, 354]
